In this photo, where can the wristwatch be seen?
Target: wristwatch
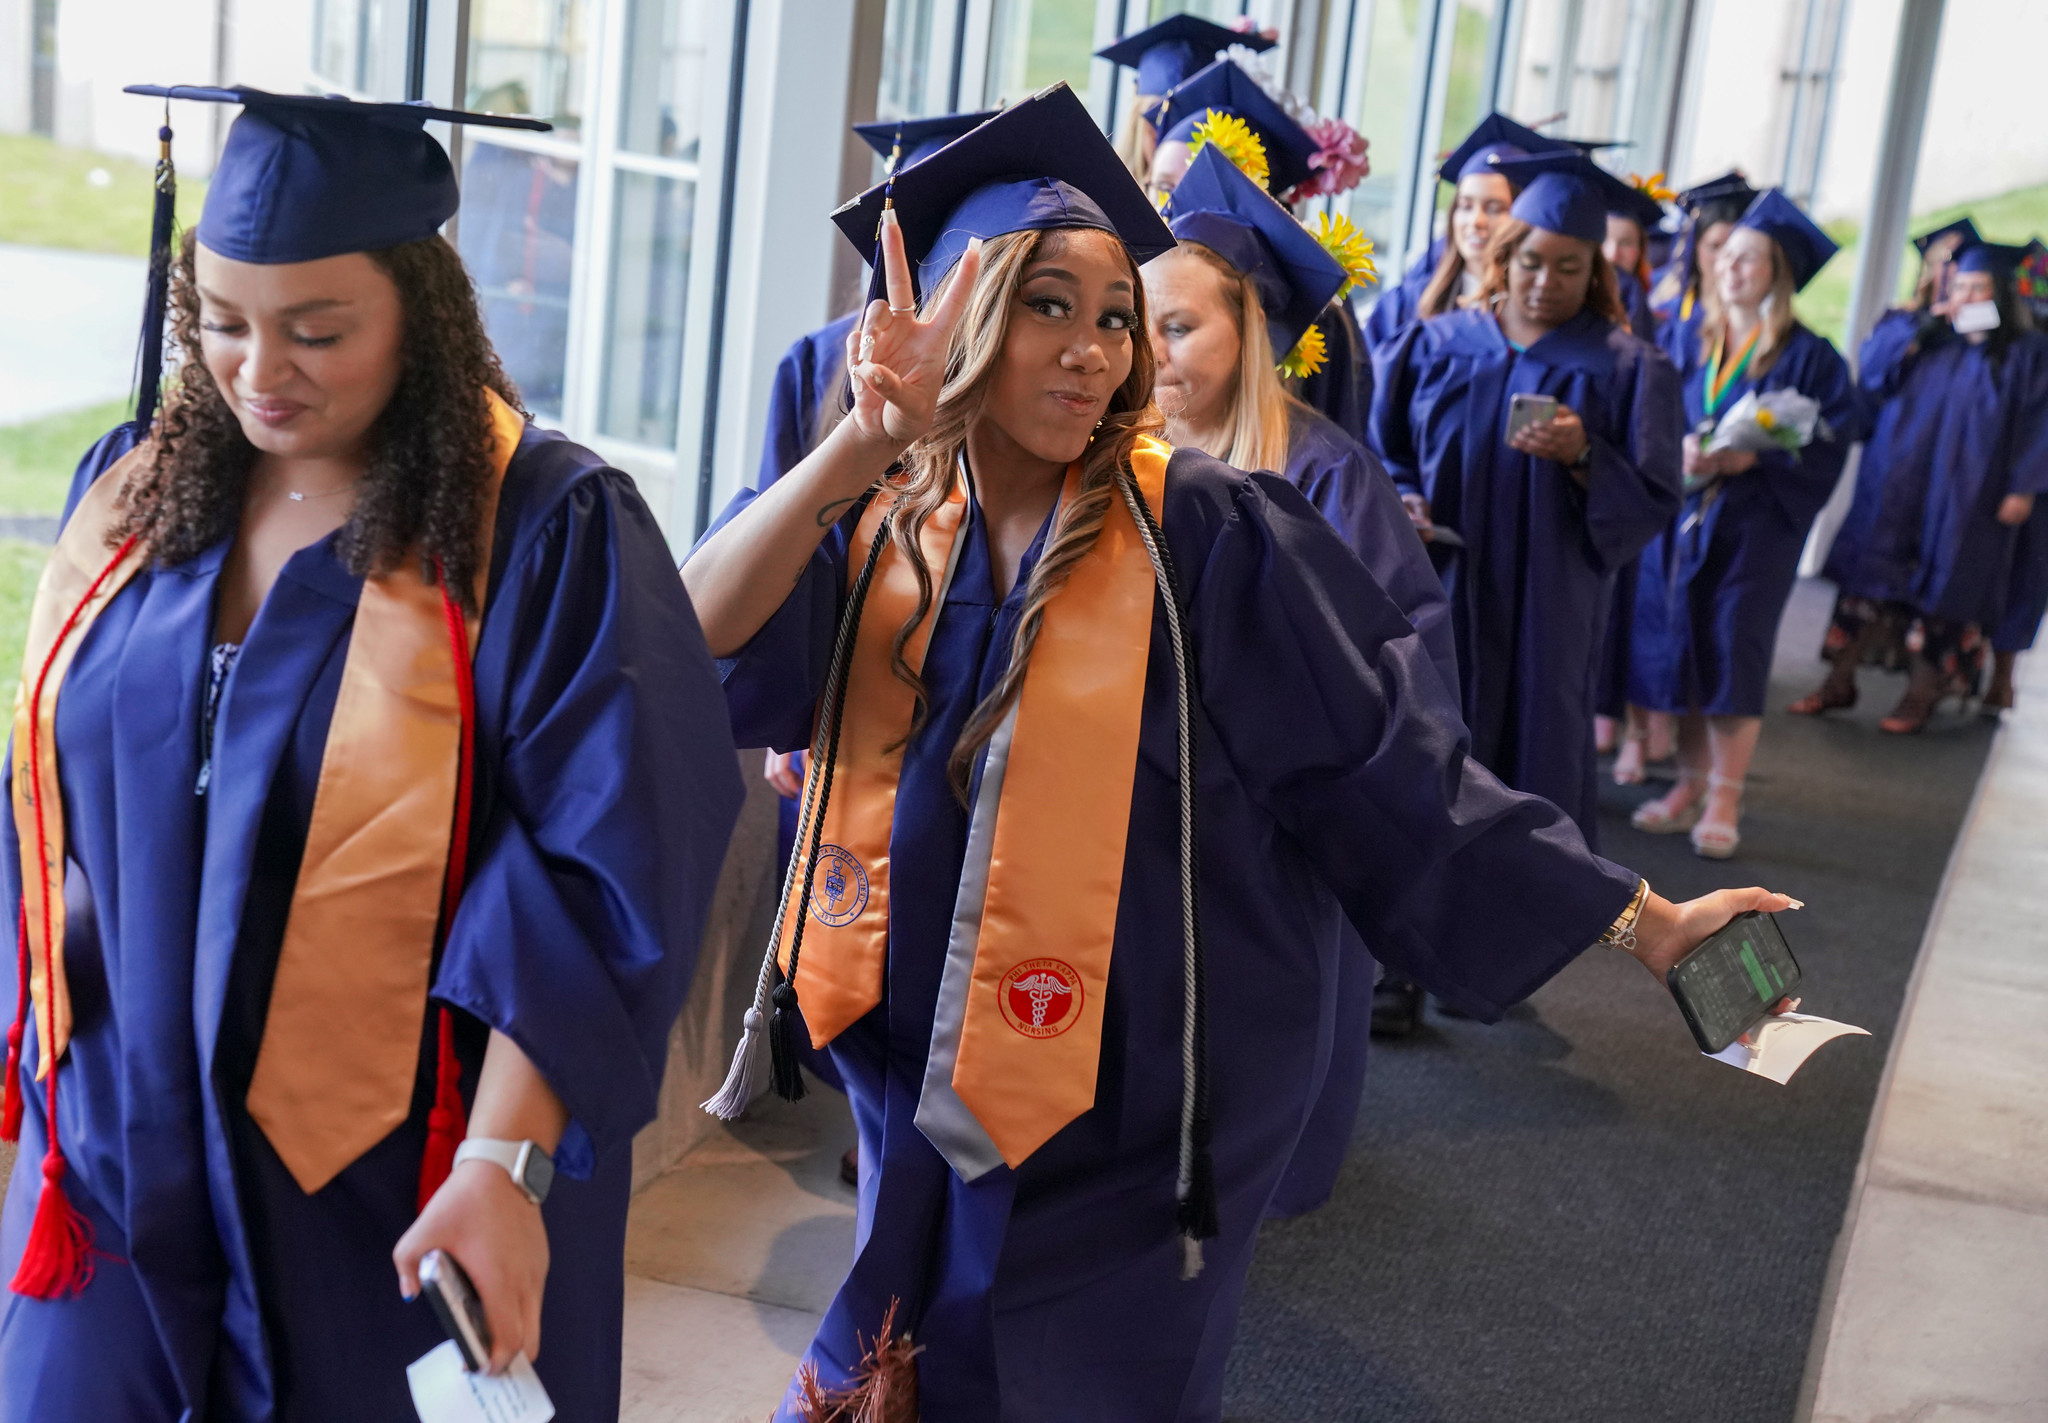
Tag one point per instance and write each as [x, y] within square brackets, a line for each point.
[532, 1170]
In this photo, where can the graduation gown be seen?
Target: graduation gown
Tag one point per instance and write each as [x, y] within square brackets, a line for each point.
[1711, 588]
[1529, 591]
[1347, 483]
[2026, 601]
[1954, 436]
[1399, 304]
[1334, 785]
[1342, 389]
[1880, 364]
[606, 790]
[809, 378]
[1636, 302]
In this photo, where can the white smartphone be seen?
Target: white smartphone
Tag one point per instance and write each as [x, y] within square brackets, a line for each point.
[1975, 316]
[462, 1314]
[1526, 409]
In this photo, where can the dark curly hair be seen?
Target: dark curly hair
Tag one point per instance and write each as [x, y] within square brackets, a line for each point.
[431, 446]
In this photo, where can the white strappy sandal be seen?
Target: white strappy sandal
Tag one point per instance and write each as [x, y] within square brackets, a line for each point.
[1714, 841]
[1652, 818]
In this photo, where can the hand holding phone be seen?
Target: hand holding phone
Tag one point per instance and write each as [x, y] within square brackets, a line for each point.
[1733, 980]
[455, 1302]
[1525, 408]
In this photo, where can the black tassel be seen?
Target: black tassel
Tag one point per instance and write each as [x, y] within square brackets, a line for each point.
[783, 1073]
[163, 219]
[1198, 1211]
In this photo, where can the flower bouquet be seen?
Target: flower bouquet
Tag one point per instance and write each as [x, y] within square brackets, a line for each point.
[1761, 422]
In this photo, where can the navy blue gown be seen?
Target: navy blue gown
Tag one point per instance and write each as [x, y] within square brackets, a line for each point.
[222, 1290]
[1399, 304]
[1711, 589]
[1956, 433]
[1348, 484]
[1335, 786]
[1610, 696]
[1342, 389]
[1529, 591]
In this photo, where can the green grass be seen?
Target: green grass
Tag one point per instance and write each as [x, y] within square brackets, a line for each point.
[49, 198]
[38, 458]
[21, 563]
[2008, 217]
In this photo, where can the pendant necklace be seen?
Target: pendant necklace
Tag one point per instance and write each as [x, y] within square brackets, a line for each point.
[299, 496]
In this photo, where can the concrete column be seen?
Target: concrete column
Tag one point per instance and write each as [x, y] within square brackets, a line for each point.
[1898, 160]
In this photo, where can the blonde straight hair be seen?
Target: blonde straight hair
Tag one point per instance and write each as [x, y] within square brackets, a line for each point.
[928, 469]
[1776, 320]
[1259, 403]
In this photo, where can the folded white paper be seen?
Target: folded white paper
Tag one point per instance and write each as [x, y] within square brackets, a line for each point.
[1779, 1047]
[444, 1392]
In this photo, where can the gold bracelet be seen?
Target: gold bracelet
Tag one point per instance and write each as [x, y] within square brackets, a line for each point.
[1621, 934]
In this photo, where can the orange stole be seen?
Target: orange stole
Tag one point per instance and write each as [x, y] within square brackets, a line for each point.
[352, 978]
[1031, 1042]
[846, 943]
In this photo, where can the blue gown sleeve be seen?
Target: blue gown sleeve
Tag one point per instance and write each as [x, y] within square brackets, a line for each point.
[1396, 372]
[1327, 706]
[1633, 478]
[105, 450]
[608, 788]
[1888, 354]
[2027, 378]
[783, 445]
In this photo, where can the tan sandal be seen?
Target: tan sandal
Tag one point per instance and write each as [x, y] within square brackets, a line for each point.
[1654, 817]
[1712, 841]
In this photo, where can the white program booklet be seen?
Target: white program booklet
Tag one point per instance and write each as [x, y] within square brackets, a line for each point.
[1779, 1047]
[444, 1392]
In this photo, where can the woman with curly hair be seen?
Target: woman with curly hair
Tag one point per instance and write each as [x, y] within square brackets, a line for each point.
[1107, 740]
[354, 710]
[1547, 505]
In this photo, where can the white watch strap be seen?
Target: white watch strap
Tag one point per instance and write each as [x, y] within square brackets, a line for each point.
[507, 1154]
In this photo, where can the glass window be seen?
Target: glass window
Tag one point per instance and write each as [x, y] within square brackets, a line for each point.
[359, 46]
[528, 57]
[1601, 69]
[1466, 101]
[518, 237]
[912, 85]
[649, 286]
[1382, 96]
[661, 107]
[1033, 43]
[1223, 12]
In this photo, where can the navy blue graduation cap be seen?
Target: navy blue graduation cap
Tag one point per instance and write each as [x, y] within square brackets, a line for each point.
[1565, 192]
[908, 141]
[1041, 163]
[1730, 187]
[1225, 87]
[1962, 228]
[1220, 207]
[1998, 258]
[1496, 136]
[1806, 248]
[301, 177]
[1168, 52]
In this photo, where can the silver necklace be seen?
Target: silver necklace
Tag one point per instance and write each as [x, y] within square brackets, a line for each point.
[299, 496]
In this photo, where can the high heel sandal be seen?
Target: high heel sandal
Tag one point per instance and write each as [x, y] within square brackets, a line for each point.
[1632, 775]
[1830, 697]
[1652, 819]
[1711, 841]
[1923, 698]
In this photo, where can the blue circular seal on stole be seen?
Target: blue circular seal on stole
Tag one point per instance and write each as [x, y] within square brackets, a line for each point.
[839, 887]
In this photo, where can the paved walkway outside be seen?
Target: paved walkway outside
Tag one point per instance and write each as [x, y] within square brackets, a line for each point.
[68, 326]
[1940, 1313]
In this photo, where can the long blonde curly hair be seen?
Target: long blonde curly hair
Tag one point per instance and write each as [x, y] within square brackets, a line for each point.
[928, 470]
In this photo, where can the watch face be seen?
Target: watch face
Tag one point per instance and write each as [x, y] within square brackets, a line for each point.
[540, 1173]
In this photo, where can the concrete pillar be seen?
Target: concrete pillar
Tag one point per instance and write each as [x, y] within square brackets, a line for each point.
[1898, 160]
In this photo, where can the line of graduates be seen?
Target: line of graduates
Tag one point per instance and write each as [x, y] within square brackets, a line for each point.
[374, 769]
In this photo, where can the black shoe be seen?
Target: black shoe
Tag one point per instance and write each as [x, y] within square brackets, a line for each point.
[1396, 1007]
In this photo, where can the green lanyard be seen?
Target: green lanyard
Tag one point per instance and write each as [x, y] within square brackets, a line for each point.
[1717, 384]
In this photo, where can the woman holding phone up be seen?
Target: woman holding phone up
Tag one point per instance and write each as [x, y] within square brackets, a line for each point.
[1545, 510]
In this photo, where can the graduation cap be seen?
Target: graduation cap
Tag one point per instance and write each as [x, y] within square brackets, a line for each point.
[1565, 192]
[1806, 248]
[1220, 207]
[908, 141]
[2000, 259]
[1497, 136]
[1039, 164]
[1168, 52]
[1226, 88]
[1730, 187]
[1962, 229]
[301, 177]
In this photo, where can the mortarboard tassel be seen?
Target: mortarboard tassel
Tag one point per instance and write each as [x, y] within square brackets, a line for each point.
[163, 219]
[447, 1121]
[57, 1260]
[10, 1104]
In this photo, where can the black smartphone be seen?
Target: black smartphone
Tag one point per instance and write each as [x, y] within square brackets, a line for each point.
[461, 1313]
[1729, 984]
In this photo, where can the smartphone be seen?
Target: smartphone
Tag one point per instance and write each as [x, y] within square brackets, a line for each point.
[1975, 316]
[1530, 409]
[1730, 983]
[461, 1313]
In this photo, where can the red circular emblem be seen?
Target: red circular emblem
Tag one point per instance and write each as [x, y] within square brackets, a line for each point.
[1041, 998]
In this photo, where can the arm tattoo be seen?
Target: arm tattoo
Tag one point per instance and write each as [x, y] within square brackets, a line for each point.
[829, 515]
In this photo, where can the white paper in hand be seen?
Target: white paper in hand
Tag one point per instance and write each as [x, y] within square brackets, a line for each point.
[1779, 1047]
[444, 1392]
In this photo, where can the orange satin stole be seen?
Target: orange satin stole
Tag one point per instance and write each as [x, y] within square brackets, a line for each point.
[1056, 867]
[334, 1073]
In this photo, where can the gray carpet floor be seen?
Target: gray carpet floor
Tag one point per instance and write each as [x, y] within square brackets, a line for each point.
[1572, 1215]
